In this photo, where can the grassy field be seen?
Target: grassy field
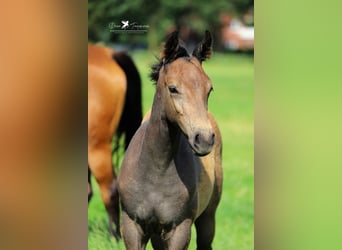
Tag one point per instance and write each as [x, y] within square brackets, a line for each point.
[232, 104]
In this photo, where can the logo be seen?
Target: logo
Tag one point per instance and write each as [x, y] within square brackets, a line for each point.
[125, 24]
[127, 27]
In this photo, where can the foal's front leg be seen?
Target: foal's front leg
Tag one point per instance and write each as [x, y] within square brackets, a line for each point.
[132, 234]
[179, 237]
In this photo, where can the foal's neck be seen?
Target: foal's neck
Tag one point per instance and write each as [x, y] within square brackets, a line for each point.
[162, 136]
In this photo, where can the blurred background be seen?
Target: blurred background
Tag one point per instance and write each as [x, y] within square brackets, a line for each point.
[140, 27]
[230, 21]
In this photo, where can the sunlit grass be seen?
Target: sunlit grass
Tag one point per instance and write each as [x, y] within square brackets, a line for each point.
[232, 104]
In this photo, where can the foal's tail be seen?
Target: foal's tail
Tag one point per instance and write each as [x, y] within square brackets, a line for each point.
[132, 111]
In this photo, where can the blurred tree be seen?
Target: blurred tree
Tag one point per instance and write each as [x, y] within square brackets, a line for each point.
[162, 16]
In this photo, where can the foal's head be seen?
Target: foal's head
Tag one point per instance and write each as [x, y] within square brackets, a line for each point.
[184, 90]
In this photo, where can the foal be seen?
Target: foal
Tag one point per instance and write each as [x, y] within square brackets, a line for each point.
[171, 176]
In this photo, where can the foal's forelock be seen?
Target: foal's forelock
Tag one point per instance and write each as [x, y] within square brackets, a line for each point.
[163, 63]
[173, 49]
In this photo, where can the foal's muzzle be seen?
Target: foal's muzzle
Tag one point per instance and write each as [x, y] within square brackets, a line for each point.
[203, 142]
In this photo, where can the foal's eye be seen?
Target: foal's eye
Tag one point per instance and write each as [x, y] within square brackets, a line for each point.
[173, 89]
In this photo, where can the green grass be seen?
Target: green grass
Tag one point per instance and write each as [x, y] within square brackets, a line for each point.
[232, 104]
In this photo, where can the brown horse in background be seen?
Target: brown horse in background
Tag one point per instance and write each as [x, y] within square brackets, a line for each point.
[171, 175]
[114, 107]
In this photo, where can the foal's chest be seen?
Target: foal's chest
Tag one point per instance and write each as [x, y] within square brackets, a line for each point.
[166, 200]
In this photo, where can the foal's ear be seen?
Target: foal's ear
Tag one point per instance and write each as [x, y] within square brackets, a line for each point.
[203, 49]
[171, 47]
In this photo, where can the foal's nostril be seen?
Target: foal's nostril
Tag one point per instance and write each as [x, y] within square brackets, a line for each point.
[202, 140]
[197, 139]
[212, 139]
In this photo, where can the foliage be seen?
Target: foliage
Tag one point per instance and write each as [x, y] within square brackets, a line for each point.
[161, 16]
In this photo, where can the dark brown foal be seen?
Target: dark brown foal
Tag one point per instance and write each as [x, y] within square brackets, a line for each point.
[171, 176]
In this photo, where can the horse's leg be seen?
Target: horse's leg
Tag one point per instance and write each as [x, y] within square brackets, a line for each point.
[100, 163]
[132, 234]
[179, 238]
[114, 208]
[90, 190]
